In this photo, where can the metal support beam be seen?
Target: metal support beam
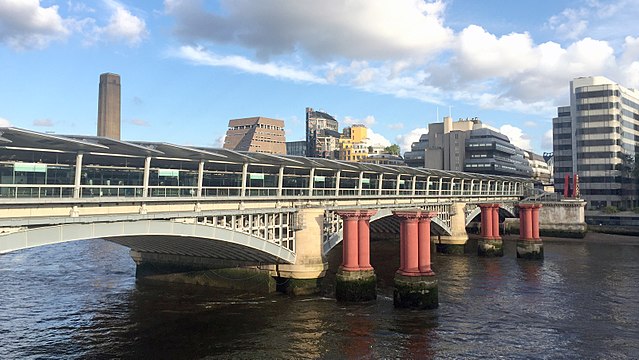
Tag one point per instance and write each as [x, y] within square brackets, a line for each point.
[244, 176]
[380, 185]
[200, 178]
[337, 180]
[78, 175]
[147, 175]
[360, 183]
[280, 181]
[311, 181]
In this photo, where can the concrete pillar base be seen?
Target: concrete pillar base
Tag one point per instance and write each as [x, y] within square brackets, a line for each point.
[298, 287]
[356, 286]
[416, 292]
[530, 249]
[490, 247]
[450, 249]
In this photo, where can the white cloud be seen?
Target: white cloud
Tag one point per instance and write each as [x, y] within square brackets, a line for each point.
[140, 122]
[410, 52]
[43, 122]
[122, 26]
[546, 141]
[200, 56]
[24, 24]
[219, 142]
[517, 136]
[4, 122]
[357, 29]
[395, 126]
[570, 24]
[406, 140]
[376, 139]
[368, 121]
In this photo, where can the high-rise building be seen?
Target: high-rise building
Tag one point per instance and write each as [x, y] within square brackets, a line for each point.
[322, 134]
[468, 145]
[597, 138]
[256, 134]
[109, 106]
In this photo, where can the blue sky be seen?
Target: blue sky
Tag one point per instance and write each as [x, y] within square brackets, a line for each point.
[187, 67]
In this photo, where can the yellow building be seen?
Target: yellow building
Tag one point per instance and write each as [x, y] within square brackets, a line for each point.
[353, 144]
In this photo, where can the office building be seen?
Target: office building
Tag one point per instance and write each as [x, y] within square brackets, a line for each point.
[109, 106]
[468, 145]
[256, 134]
[597, 137]
[322, 134]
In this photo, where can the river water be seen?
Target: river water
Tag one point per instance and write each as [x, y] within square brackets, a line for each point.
[81, 301]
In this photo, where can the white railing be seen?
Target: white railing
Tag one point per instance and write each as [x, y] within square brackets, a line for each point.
[13, 191]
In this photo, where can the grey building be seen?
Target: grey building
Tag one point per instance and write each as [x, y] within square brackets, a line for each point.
[109, 106]
[322, 134]
[296, 148]
[468, 145]
[597, 137]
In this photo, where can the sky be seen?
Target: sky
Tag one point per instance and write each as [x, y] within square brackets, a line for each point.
[189, 66]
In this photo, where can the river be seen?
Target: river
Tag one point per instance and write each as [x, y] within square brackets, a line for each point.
[81, 301]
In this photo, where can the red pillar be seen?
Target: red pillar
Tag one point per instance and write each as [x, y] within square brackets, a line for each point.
[483, 219]
[525, 221]
[364, 239]
[350, 260]
[566, 185]
[424, 243]
[575, 185]
[489, 222]
[409, 240]
[535, 221]
[495, 224]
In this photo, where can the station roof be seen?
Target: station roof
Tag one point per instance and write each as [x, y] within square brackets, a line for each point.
[13, 139]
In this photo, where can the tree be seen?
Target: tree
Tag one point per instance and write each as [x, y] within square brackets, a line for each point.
[393, 149]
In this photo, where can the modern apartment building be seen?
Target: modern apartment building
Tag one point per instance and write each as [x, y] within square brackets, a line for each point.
[109, 106]
[597, 137]
[256, 134]
[468, 145]
[322, 134]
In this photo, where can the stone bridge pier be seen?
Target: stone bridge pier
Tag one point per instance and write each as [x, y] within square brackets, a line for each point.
[529, 245]
[356, 280]
[455, 242]
[304, 276]
[490, 243]
[415, 281]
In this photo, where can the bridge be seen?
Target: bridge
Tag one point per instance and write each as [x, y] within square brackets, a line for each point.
[213, 208]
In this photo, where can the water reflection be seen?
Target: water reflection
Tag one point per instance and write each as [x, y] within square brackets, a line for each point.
[60, 303]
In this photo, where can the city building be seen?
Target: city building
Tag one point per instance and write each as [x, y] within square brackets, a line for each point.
[353, 143]
[468, 145]
[541, 171]
[296, 148]
[322, 134]
[416, 156]
[109, 106]
[256, 134]
[597, 138]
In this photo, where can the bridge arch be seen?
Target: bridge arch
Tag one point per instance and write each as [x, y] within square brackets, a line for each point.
[164, 236]
[506, 209]
[438, 226]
